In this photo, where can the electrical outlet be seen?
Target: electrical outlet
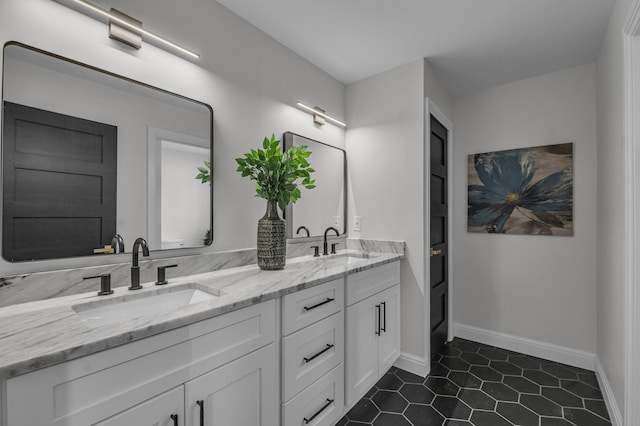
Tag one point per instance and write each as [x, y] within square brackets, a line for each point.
[357, 223]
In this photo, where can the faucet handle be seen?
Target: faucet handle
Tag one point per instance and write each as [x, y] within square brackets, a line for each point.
[316, 251]
[333, 247]
[162, 280]
[105, 283]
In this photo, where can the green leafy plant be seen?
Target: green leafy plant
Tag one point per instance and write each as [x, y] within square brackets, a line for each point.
[205, 172]
[205, 177]
[278, 174]
[207, 238]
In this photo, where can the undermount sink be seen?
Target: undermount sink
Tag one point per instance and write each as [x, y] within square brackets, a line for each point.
[115, 310]
[348, 258]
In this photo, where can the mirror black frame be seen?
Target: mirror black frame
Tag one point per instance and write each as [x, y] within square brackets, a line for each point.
[287, 142]
[127, 80]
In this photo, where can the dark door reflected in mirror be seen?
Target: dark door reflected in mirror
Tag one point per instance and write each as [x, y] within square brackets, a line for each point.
[87, 155]
[326, 204]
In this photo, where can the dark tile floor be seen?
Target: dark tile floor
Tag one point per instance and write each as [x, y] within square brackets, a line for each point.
[475, 384]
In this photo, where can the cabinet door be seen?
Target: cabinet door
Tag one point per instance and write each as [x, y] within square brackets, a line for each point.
[157, 411]
[243, 392]
[362, 349]
[389, 341]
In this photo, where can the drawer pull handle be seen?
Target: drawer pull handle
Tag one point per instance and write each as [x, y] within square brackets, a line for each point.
[201, 404]
[174, 417]
[379, 310]
[384, 316]
[317, 305]
[324, 407]
[318, 354]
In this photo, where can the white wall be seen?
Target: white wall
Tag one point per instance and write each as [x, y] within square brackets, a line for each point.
[385, 150]
[611, 202]
[251, 82]
[186, 207]
[535, 287]
[435, 91]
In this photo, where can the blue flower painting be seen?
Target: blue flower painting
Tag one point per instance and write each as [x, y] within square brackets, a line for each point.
[522, 191]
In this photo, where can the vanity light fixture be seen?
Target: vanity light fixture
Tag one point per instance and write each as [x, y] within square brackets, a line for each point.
[129, 31]
[319, 115]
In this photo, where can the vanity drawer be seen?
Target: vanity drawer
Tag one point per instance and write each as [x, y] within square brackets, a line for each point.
[321, 404]
[310, 353]
[371, 281]
[305, 307]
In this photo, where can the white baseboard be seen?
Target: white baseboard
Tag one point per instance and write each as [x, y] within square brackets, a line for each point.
[413, 364]
[607, 393]
[562, 354]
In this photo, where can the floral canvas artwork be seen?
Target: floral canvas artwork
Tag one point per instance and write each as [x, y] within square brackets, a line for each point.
[522, 191]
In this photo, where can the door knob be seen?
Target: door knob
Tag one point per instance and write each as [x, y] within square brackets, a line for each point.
[433, 252]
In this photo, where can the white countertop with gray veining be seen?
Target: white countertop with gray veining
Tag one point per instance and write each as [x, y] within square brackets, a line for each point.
[43, 333]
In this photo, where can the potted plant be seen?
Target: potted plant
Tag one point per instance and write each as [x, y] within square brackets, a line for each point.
[277, 174]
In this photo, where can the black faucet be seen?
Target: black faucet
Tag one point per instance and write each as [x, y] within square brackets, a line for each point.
[303, 228]
[135, 269]
[117, 243]
[325, 247]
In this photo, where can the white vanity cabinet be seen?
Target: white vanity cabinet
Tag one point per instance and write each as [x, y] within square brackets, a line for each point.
[227, 363]
[372, 327]
[313, 355]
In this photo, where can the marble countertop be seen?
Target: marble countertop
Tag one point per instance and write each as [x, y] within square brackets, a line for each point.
[39, 334]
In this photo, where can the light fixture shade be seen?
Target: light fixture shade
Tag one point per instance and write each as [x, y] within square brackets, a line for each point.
[319, 115]
[129, 27]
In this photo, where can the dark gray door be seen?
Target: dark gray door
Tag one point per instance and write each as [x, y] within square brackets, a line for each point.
[59, 184]
[438, 244]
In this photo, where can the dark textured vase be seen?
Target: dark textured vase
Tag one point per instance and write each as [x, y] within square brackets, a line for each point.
[272, 242]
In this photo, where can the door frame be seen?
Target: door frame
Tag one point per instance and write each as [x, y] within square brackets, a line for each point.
[154, 172]
[631, 40]
[432, 109]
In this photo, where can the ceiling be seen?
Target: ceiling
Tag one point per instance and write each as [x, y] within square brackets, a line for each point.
[471, 44]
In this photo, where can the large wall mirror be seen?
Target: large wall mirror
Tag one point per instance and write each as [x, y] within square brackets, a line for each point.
[326, 204]
[87, 154]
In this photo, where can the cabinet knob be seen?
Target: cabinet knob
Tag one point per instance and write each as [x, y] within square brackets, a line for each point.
[201, 404]
[317, 305]
[317, 413]
[311, 358]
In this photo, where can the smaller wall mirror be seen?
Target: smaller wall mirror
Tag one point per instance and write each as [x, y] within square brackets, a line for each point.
[326, 204]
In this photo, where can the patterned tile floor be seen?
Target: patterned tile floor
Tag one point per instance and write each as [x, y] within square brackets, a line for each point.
[475, 384]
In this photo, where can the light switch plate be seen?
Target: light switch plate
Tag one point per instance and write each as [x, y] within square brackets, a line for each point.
[357, 223]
